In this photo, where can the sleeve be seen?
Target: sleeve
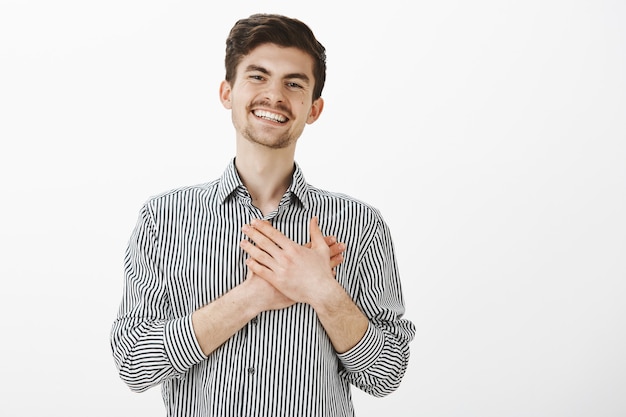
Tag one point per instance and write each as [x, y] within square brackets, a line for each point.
[149, 346]
[378, 362]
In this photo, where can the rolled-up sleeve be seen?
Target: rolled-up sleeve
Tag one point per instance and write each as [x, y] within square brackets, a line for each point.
[379, 361]
[149, 346]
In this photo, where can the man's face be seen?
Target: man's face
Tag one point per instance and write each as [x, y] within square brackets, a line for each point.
[272, 96]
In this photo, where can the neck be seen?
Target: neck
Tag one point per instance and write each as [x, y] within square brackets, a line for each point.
[266, 173]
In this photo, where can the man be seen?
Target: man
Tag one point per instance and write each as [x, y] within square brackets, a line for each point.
[234, 299]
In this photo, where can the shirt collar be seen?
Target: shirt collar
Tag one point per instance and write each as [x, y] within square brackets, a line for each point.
[299, 186]
[230, 181]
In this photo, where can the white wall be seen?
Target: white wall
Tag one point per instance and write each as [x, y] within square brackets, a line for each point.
[491, 134]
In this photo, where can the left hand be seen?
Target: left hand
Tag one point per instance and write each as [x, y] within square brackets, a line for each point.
[299, 272]
[336, 251]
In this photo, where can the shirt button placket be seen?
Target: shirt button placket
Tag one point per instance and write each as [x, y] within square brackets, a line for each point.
[252, 326]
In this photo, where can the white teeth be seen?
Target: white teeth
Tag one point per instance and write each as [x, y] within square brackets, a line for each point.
[270, 116]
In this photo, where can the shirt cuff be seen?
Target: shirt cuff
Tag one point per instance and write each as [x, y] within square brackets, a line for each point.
[181, 345]
[366, 352]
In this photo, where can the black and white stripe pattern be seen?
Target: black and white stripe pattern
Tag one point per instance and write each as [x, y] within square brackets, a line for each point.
[184, 253]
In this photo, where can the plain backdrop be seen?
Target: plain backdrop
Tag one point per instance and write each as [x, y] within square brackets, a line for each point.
[490, 134]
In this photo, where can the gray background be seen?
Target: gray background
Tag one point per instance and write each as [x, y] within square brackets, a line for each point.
[491, 135]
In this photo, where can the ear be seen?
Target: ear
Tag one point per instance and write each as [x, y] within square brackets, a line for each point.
[316, 110]
[225, 92]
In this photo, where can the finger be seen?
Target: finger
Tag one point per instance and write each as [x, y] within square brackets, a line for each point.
[336, 249]
[259, 269]
[336, 260]
[269, 232]
[257, 254]
[330, 240]
[261, 240]
[316, 234]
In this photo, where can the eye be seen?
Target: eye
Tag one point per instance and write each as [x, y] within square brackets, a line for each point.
[294, 85]
[256, 77]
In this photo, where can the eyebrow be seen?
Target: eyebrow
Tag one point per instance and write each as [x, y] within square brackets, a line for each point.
[296, 75]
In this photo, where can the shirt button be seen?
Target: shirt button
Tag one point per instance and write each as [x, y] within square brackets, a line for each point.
[251, 370]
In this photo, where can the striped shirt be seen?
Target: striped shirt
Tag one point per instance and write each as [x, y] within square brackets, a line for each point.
[184, 252]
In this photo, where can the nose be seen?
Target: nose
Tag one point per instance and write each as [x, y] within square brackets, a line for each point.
[274, 91]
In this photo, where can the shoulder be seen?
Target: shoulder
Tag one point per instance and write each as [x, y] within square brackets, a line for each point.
[182, 196]
[344, 204]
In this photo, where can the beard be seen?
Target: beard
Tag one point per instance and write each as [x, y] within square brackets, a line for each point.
[256, 134]
[274, 142]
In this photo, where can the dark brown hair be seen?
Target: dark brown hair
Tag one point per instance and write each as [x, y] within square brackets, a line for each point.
[258, 29]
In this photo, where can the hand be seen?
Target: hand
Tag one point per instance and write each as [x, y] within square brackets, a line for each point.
[298, 272]
[336, 251]
[265, 295]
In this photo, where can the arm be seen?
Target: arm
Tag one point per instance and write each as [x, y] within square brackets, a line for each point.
[304, 275]
[378, 363]
[216, 322]
[368, 333]
[149, 346]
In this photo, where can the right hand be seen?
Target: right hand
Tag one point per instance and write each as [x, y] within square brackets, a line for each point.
[272, 299]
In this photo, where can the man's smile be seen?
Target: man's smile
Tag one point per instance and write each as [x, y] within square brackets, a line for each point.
[274, 117]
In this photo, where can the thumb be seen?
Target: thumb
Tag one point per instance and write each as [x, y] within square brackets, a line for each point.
[317, 238]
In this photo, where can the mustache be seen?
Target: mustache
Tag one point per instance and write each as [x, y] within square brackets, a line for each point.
[278, 107]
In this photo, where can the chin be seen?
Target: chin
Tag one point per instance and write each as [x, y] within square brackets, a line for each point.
[272, 143]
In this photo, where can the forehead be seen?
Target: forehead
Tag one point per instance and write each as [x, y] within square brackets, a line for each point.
[278, 60]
